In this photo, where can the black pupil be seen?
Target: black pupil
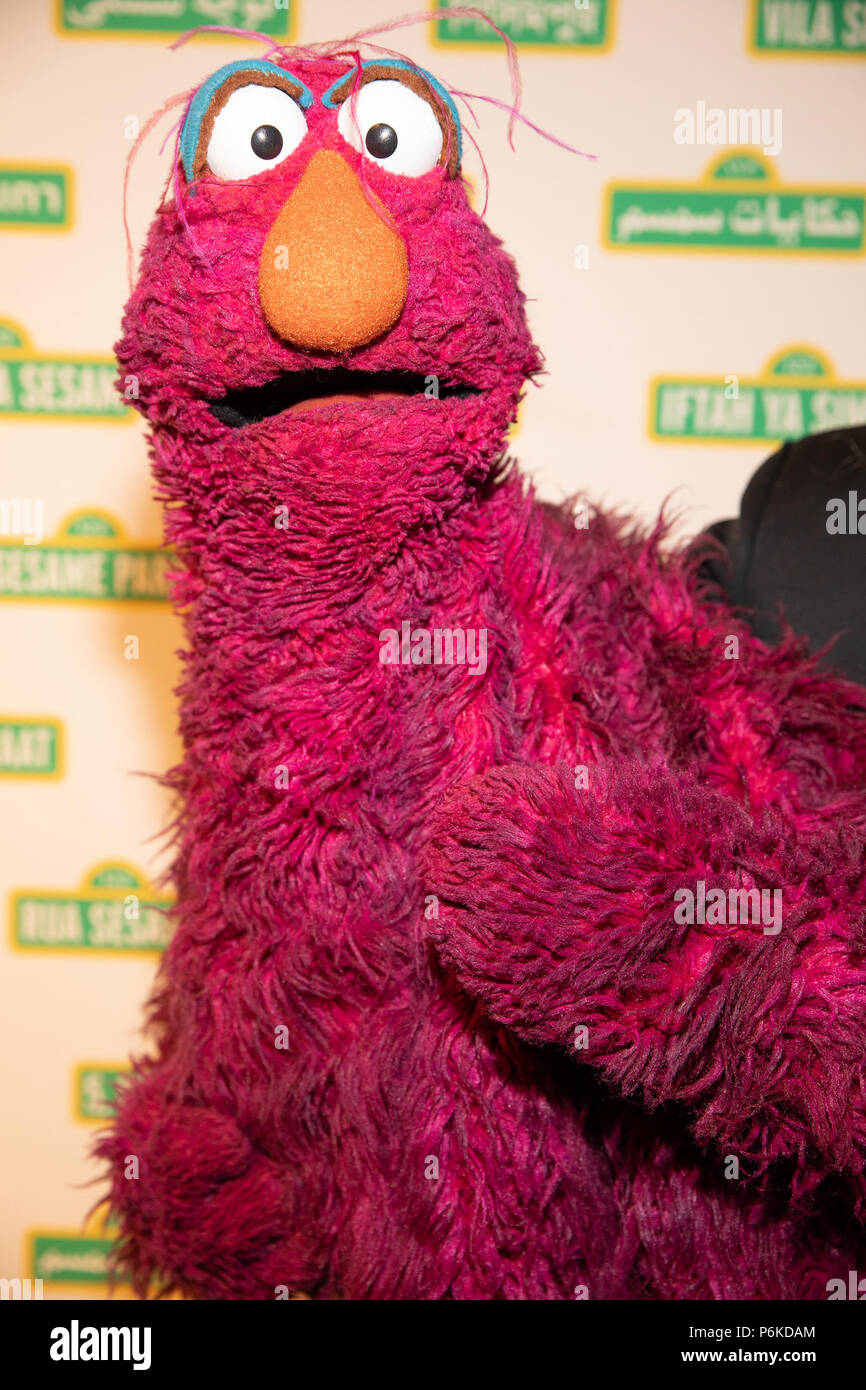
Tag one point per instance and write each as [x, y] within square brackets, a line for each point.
[381, 140]
[266, 142]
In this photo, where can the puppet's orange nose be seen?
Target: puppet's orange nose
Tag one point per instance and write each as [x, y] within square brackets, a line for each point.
[333, 272]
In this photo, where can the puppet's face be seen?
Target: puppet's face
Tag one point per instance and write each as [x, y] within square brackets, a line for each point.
[331, 278]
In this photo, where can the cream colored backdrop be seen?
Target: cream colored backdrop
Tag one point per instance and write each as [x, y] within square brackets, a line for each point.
[87, 639]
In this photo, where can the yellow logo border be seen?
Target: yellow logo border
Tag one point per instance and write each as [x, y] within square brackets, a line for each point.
[60, 745]
[801, 54]
[829, 378]
[162, 35]
[590, 50]
[28, 228]
[85, 888]
[121, 540]
[77, 1070]
[102, 1290]
[28, 349]
[705, 182]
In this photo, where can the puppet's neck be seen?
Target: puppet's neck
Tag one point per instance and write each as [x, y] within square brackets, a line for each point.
[291, 542]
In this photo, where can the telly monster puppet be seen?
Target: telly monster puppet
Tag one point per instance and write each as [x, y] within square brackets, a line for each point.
[473, 992]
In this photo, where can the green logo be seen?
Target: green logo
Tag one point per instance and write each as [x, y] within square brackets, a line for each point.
[96, 1091]
[89, 560]
[797, 394]
[70, 1259]
[114, 910]
[535, 23]
[45, 386]
[30, 747]
[146, 18]
[12, 335]
[35, 197]
[804, 27]
[739, 205]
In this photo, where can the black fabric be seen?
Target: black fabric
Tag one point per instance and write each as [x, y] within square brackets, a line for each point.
[780, 559]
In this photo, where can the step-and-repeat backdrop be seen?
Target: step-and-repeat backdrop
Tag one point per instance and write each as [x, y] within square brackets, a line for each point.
[698, 292]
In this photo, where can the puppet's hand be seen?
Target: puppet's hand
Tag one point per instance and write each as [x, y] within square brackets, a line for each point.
[202, 1208]
[579, 916]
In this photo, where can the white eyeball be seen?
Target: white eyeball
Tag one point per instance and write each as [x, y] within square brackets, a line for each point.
[393, 126]
[257, 128]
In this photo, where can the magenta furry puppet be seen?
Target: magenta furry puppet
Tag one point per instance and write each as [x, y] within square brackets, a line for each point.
[520, 936]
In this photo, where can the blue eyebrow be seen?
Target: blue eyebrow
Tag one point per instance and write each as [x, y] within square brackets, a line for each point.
[409, 67]
[200, 103]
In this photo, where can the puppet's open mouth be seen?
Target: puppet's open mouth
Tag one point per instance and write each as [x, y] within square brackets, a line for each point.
[309, 389]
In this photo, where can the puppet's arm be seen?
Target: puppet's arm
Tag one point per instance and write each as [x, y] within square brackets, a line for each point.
[201, 1207]
[614, 919]
[206, 1207]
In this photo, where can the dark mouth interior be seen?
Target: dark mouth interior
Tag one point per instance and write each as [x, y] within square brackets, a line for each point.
[251, 403]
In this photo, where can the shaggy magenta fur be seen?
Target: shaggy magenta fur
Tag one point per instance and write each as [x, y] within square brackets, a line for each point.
[429, 1026]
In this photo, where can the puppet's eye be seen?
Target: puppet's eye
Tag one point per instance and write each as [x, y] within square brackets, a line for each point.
[256, 129]
[392, 125]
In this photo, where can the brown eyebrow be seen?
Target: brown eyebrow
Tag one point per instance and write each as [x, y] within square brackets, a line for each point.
[416, 82]
[249, 77]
